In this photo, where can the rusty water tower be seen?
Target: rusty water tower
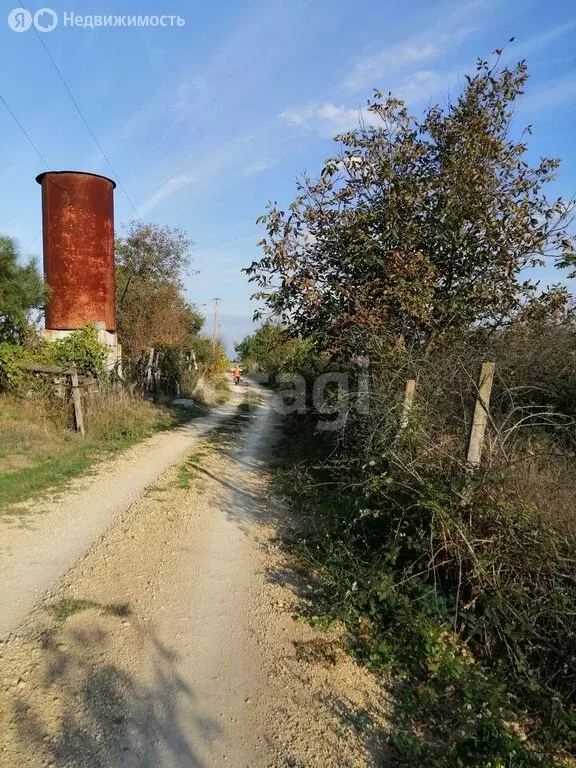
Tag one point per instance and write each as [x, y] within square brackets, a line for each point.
[78, 234]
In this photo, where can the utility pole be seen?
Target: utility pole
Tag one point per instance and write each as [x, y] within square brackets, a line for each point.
[215, 327]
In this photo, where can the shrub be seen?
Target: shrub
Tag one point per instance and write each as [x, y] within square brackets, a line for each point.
[80, 349]
[456, 580]
[13, 378]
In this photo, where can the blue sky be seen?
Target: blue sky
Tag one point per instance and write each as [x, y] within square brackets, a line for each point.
[207, 122]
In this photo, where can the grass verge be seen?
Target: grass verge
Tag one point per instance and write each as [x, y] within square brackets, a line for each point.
[38, 451]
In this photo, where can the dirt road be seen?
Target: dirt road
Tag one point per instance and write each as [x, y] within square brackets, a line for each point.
[172, 641]
[38, 547]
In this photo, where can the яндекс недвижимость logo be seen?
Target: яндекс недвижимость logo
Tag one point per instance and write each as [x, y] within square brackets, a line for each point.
[45, 20]
[21, 20]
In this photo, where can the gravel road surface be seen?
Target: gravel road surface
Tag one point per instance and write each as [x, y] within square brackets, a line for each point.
[171, 642]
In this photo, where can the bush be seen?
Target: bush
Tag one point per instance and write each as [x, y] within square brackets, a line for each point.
[501, 571]
[80, 349]
[13, 378]
[461, 582]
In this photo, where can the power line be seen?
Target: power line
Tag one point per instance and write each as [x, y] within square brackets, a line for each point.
[32, 243]
[77, 106]
[40, 155]
[24, 131]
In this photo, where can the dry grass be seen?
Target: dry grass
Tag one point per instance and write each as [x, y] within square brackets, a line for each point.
[106, 415]
[211, 391]
[39, 449]
[29, 430]
[547, 482]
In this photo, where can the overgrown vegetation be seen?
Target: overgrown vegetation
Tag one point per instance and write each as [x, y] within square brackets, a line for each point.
[80, 350]
[38, 451]
[462, 588]
[272, 349]
[157, 326]
[151, 262]
[404, 260]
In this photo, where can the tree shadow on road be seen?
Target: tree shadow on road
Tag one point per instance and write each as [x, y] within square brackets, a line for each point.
[85, 711]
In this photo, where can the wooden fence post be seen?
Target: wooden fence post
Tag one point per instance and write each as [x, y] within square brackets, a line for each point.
[78, 416]
[408, 402]
[75, 385]
[480, 418]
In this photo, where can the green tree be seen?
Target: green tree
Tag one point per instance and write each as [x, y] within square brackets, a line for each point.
[152, 310]
[155, 314]
[273, 350]
[21, 290]
[153, 252]
[417, 229]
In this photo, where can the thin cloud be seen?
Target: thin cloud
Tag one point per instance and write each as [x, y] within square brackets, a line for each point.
[222, 166]
[414, 85]
[524, 47]
[451, 24]
[258, 166]
[185, 101]
[369, 70]
[426, 84]
[553, 94]
[328, 118]
[201, 172]
[186, 97]
[167, 189]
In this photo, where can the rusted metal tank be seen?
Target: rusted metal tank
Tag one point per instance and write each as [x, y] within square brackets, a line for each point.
[78, 230]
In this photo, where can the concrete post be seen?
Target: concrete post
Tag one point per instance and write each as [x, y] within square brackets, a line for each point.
[408, 402]
[480, 418]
